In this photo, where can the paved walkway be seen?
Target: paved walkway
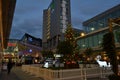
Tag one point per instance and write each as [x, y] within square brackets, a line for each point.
[98, 79]
[17, 74]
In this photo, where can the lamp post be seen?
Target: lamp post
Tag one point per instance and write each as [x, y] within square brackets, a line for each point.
[113, 56]
[111, 21]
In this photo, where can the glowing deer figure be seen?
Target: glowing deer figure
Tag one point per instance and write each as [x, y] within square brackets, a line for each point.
[102, 63]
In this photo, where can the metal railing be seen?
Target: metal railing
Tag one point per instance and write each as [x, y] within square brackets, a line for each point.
[67, 74]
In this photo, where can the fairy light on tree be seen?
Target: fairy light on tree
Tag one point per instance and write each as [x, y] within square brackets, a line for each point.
[69, 35]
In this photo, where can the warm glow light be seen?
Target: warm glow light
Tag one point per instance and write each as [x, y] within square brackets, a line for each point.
[105, 58]
[82, 34]
[36, 60]
[118, 58]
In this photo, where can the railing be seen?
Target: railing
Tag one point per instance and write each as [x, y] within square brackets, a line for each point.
[67, 74]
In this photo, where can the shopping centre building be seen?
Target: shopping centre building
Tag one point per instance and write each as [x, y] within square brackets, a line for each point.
[97, 26]
[29, 49]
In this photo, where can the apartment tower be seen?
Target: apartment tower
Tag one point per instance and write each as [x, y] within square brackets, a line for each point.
[55, 20]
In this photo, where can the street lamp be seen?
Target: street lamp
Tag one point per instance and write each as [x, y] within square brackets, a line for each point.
[112, 56]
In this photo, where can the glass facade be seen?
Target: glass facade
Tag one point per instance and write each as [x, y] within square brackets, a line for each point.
[101, 20]
[97, 27]
[90, 41]
[95, 39]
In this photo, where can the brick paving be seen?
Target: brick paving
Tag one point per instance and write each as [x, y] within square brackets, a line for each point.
[17, 74]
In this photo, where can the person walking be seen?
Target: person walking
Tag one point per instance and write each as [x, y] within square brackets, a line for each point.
[9, 66]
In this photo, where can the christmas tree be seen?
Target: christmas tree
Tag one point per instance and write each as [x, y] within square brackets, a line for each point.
[69, 35]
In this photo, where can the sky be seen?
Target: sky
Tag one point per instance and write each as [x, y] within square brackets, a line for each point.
[28, 15]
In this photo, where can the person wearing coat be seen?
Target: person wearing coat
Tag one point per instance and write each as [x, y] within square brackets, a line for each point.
[9, 66]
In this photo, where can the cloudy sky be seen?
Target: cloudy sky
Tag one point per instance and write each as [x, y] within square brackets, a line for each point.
[28, 14]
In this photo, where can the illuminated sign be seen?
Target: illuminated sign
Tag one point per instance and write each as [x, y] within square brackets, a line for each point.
[11, 44]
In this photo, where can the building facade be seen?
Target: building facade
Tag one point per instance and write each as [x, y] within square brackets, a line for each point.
[55, 20]
[101, 20]
[31, 40]
[6, 16]
[29, 49]
[9, 52]
[97, 26]
[7, 8]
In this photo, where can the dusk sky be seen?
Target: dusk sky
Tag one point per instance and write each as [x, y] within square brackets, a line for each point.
[28, 16]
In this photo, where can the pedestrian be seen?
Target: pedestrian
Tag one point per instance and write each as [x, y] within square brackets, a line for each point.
[9, 66]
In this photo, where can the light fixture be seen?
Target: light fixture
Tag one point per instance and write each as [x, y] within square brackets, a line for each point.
[92, 29]
[82, 34]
